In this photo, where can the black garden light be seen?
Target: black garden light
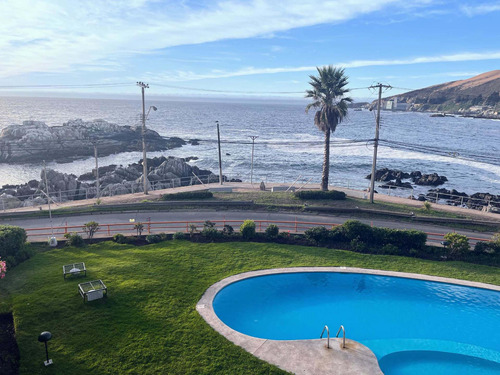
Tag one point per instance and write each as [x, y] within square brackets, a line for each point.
[44, 337]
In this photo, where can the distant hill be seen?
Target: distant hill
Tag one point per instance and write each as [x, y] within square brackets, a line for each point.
[477, 96]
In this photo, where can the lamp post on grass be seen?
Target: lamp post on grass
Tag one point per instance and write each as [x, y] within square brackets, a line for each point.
[44, 337]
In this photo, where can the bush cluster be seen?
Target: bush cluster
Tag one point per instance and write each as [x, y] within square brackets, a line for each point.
[456, 244]
[74, 239]
[318, 194]
[153, 238]
[12, 245]
[203, 194]
[120, 238]
[363, 238]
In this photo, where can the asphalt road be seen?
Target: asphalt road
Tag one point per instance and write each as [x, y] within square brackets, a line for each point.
[113, 218]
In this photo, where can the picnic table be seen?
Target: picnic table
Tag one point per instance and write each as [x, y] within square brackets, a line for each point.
[74, 269]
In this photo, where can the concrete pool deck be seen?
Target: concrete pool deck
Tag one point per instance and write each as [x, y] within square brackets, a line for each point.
[309, 357]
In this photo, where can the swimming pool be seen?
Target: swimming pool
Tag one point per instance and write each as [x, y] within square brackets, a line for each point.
[412, 326]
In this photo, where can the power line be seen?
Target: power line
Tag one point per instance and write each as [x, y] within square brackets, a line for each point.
[88, 85]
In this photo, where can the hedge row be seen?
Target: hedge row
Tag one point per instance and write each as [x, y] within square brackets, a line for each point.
[318, 194]
[203, 194]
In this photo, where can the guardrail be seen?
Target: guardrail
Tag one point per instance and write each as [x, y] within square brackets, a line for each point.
[150, 227]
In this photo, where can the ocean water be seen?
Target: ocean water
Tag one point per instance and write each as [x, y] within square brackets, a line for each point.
[288, 147]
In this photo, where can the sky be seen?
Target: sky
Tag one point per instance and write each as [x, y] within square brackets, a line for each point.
[241, 47]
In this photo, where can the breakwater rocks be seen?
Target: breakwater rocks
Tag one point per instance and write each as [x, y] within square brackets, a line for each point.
[35, 140]
[164, 172]
[456, 198]
[417, 177]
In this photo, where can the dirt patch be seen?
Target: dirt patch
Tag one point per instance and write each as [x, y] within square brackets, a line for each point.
[9, 351]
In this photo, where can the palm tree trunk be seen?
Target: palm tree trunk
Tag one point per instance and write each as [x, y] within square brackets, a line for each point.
[326, 162]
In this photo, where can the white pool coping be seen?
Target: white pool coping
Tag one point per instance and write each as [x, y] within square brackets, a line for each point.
[310, 357]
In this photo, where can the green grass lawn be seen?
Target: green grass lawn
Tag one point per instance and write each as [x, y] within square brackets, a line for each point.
[148, 324]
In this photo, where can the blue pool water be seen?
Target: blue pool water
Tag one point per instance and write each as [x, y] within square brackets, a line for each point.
[412, 326]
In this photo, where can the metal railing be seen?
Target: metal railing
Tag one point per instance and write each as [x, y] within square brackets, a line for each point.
[156, 227]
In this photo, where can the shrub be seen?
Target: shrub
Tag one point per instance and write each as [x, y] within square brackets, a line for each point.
[405, 239]
[210, 233]
[208, 224]
[163, 236]
[203, 194]
[90, 228]
[247, 229]
[354, 229]
[139, 227]
[317, 235]
[318, 194]
[483, 247]
[496, 238]
[272, 231]
[357, 245]
[457, 244]
[179, 236]
[390, 249]
[227, 230]
[192, 228]
[12, 243]
[74, 239]
[427, 206]
[153, 238]
[120, 238]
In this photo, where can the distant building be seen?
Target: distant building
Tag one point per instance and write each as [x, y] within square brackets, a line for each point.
[394, 105]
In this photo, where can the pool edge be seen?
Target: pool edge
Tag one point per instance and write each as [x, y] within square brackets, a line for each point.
[309, 356]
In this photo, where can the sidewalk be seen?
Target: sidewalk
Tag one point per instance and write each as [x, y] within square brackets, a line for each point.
[247, 187]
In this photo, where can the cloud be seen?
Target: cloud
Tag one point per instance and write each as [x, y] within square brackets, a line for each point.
[247, 71]
[59, 35]
[474, 10]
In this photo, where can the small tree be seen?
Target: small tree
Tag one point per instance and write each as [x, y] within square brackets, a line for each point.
[3, 268]
[458, 244]
[192, 228]
[90, 229]
[427, 206]
[139, 227]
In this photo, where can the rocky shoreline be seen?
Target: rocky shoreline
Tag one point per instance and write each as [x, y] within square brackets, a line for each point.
[164, 172]
[394, 179]
[35, 141]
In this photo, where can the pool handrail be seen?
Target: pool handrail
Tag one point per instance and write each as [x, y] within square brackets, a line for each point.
[343, 341]
[328, 336]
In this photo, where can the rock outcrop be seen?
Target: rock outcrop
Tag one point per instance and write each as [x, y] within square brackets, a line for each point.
[164, 172]
[385, 174]
[35, 140]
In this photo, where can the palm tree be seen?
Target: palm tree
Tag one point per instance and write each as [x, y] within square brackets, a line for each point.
[327, 93]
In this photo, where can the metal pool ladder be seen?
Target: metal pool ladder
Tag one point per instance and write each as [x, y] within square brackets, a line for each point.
[328, 335]
[343, 340]
[325, 328]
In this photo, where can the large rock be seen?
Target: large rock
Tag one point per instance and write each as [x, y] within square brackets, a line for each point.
[430, 180]
[35, 140]
[62, 185]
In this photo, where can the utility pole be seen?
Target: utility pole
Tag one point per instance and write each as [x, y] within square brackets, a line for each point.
[375, 146]
[48, 198]
[143, 86]
[220, 156]
[253, 144]
[96, 171]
